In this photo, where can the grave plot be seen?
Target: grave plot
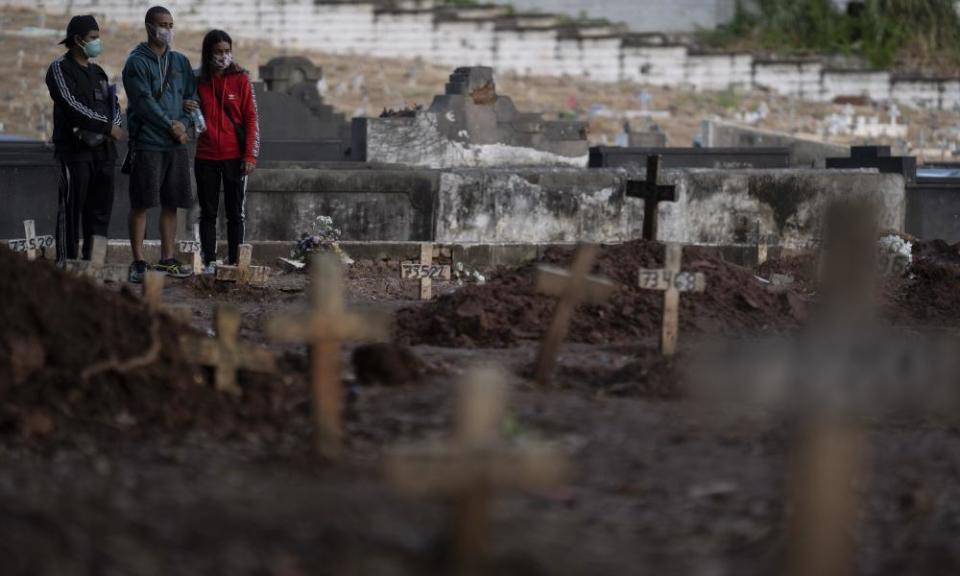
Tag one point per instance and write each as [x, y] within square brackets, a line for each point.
[182, 478]
[507, 309]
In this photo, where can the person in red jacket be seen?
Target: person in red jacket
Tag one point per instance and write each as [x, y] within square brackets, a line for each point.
[227, 151]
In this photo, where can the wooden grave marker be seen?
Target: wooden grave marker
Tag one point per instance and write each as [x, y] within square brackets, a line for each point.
[474, 464]
[194, 249]
[425, 271]
[828, 461]
[652, 193]
[323, 326]
[671, 281]
[225, 354]
[153, 282]
[96, 268]
[31, 243]
[572, 288]
[243, 272]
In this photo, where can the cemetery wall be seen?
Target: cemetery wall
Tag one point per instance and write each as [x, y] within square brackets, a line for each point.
[521, 44]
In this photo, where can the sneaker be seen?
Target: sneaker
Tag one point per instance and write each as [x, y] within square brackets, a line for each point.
[174, 268]
[210, 269]
[136, 272]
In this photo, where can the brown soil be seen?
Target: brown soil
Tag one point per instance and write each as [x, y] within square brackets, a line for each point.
[507, 308]
[931, 294]
[75, 356]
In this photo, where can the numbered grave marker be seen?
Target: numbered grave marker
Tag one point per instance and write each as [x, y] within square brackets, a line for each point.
[31, 243]
[425, 271]
[225, 354]
[573, 288]
[194, 249]
[671, 281]
[323, 326]
[243, 272]
[96, 268]
[474, 464]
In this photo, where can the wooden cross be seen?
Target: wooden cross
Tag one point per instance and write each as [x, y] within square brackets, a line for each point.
[425, 271]
[193, 248]
[323, 326]
[652, 194]
[671, 281]
[763, 250]
[96, 268]
[31, 242]
[153, 282]
[243, 272]
[474, 464]
[828, 462]
[572, 288]
[225, 353]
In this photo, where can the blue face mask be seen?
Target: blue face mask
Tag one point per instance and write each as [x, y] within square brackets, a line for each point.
[93, 48]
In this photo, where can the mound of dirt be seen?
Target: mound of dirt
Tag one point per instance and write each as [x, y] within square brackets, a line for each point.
[77, 357]
[932, 292]
[508, 309]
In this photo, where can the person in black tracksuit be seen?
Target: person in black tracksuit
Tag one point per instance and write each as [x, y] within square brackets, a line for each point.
[86, 124]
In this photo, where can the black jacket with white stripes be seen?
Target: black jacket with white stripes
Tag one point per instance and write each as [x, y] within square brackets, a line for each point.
[81, 101]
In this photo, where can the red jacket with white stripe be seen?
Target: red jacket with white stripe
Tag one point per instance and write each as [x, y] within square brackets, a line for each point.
[230, 94]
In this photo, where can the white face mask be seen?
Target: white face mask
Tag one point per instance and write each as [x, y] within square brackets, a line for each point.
[223, 61]
[162, 35]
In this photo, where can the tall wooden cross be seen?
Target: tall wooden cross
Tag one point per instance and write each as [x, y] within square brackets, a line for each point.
[96, 268]
[572, 288]
[829, 457]
[323, 326]
[671, 281]
[244, 272]
[30, 243]
[225, 353]
[474, 464]
[652, 194]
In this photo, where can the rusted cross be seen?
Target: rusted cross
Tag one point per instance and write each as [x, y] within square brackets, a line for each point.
[243, 272]
[572, 288]
[652, 194]
[323, 326]
[474, 464]
[225, 353]
[671, 281]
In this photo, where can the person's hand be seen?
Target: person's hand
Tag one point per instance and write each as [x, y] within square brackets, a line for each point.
[177, 128]
[249, 168]
[116, 133]
[183, 138]
[190, 105]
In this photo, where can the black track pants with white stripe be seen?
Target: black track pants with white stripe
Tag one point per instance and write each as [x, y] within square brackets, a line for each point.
[85, 206]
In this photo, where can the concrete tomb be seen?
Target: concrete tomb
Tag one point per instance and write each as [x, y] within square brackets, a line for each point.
[717, 158]
[470, 126]
[295, 123]
[804, 152]
[877, 157]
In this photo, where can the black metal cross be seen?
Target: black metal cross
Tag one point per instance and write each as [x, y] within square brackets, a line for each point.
[652, 194]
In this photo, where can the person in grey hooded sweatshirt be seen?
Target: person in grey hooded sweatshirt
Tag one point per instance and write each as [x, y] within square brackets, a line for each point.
[157, 81]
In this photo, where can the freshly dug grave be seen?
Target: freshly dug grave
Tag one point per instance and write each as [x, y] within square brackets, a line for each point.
[507, 309]
[77, 357]
[931, 294]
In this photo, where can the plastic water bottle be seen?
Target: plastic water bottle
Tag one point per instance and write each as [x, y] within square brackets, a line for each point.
[199, 122]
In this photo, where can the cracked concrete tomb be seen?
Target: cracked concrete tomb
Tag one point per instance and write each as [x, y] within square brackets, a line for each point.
[470, 126]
